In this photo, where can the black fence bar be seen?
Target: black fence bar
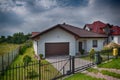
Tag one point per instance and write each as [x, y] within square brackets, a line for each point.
[73, 64]
[39, 71]
[70, 64]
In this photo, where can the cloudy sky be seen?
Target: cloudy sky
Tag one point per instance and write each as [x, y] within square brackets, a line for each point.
[36, 15]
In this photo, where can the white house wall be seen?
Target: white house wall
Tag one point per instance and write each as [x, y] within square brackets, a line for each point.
[119, 39]
[54, 36]
[89, 43]
[116, 39]
[35, 46]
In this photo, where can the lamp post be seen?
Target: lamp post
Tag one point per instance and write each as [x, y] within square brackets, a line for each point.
[108, 32]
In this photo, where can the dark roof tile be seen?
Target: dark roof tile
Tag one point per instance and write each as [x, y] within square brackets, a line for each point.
[75, 31]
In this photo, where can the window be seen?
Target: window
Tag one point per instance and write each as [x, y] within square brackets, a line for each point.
[112, 37]
[94, 43]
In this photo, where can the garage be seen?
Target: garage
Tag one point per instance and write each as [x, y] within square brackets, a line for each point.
[53, 49]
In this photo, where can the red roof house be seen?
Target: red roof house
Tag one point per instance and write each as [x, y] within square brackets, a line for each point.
[105, 28]
[99, 26]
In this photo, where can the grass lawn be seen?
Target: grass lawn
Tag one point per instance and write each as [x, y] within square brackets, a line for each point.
[6, 48]
[114, 63]
[82, 76]
[93, 70]
[47, 71]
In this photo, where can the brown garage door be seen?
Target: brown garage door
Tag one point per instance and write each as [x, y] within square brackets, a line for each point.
[52, 49]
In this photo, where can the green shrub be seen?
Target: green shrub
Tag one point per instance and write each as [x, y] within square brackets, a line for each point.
[106, 51]
[82, 51]
[91, 53]
[41, 56]
[24, 47]
[26, 60]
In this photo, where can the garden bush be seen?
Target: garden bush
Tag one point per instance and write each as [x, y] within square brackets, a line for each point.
[41, 56]
[27, 59]
[82, 51]
[92, 53]
[24, 47]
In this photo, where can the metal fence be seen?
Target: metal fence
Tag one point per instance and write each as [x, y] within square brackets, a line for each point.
[46, 70]
[43, 70]
[6, 59]
[106, 54]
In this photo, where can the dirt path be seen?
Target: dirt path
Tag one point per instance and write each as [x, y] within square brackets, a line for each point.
[100, 75]
[111, 70]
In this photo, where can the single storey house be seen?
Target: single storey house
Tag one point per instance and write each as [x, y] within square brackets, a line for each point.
[64, 39]
[113, 32]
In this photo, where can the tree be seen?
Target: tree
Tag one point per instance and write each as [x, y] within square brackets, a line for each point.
[2, 39]
[19, 38]
[9, 39]
[16, 38]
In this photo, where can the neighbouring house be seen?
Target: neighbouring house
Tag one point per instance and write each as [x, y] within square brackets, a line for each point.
[64, 39]
[113, 32]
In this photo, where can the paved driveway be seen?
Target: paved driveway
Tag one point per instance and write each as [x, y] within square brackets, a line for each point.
[60, 62]
[57, 58]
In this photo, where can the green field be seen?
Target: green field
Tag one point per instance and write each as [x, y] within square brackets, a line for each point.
[6, 48]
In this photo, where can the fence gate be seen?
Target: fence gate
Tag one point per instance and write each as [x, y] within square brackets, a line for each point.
[82, 64]
[72, 65]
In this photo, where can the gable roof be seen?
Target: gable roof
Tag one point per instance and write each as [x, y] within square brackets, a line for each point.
[98, 26]
[79, 32]
[97, 23]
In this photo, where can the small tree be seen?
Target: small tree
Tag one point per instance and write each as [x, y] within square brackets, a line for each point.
[41, 56]
[92, 52]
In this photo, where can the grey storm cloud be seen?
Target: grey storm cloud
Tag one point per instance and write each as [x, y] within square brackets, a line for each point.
[8, 19]
[36, 15]
[72, 3]
[110, 3]
[110, 9]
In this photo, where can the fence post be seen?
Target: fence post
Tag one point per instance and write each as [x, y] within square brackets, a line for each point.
[108, 55]
[8, 60]
[70, 64]
[63, 70]
[39, 70]
[73, 64]
[2, 65]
